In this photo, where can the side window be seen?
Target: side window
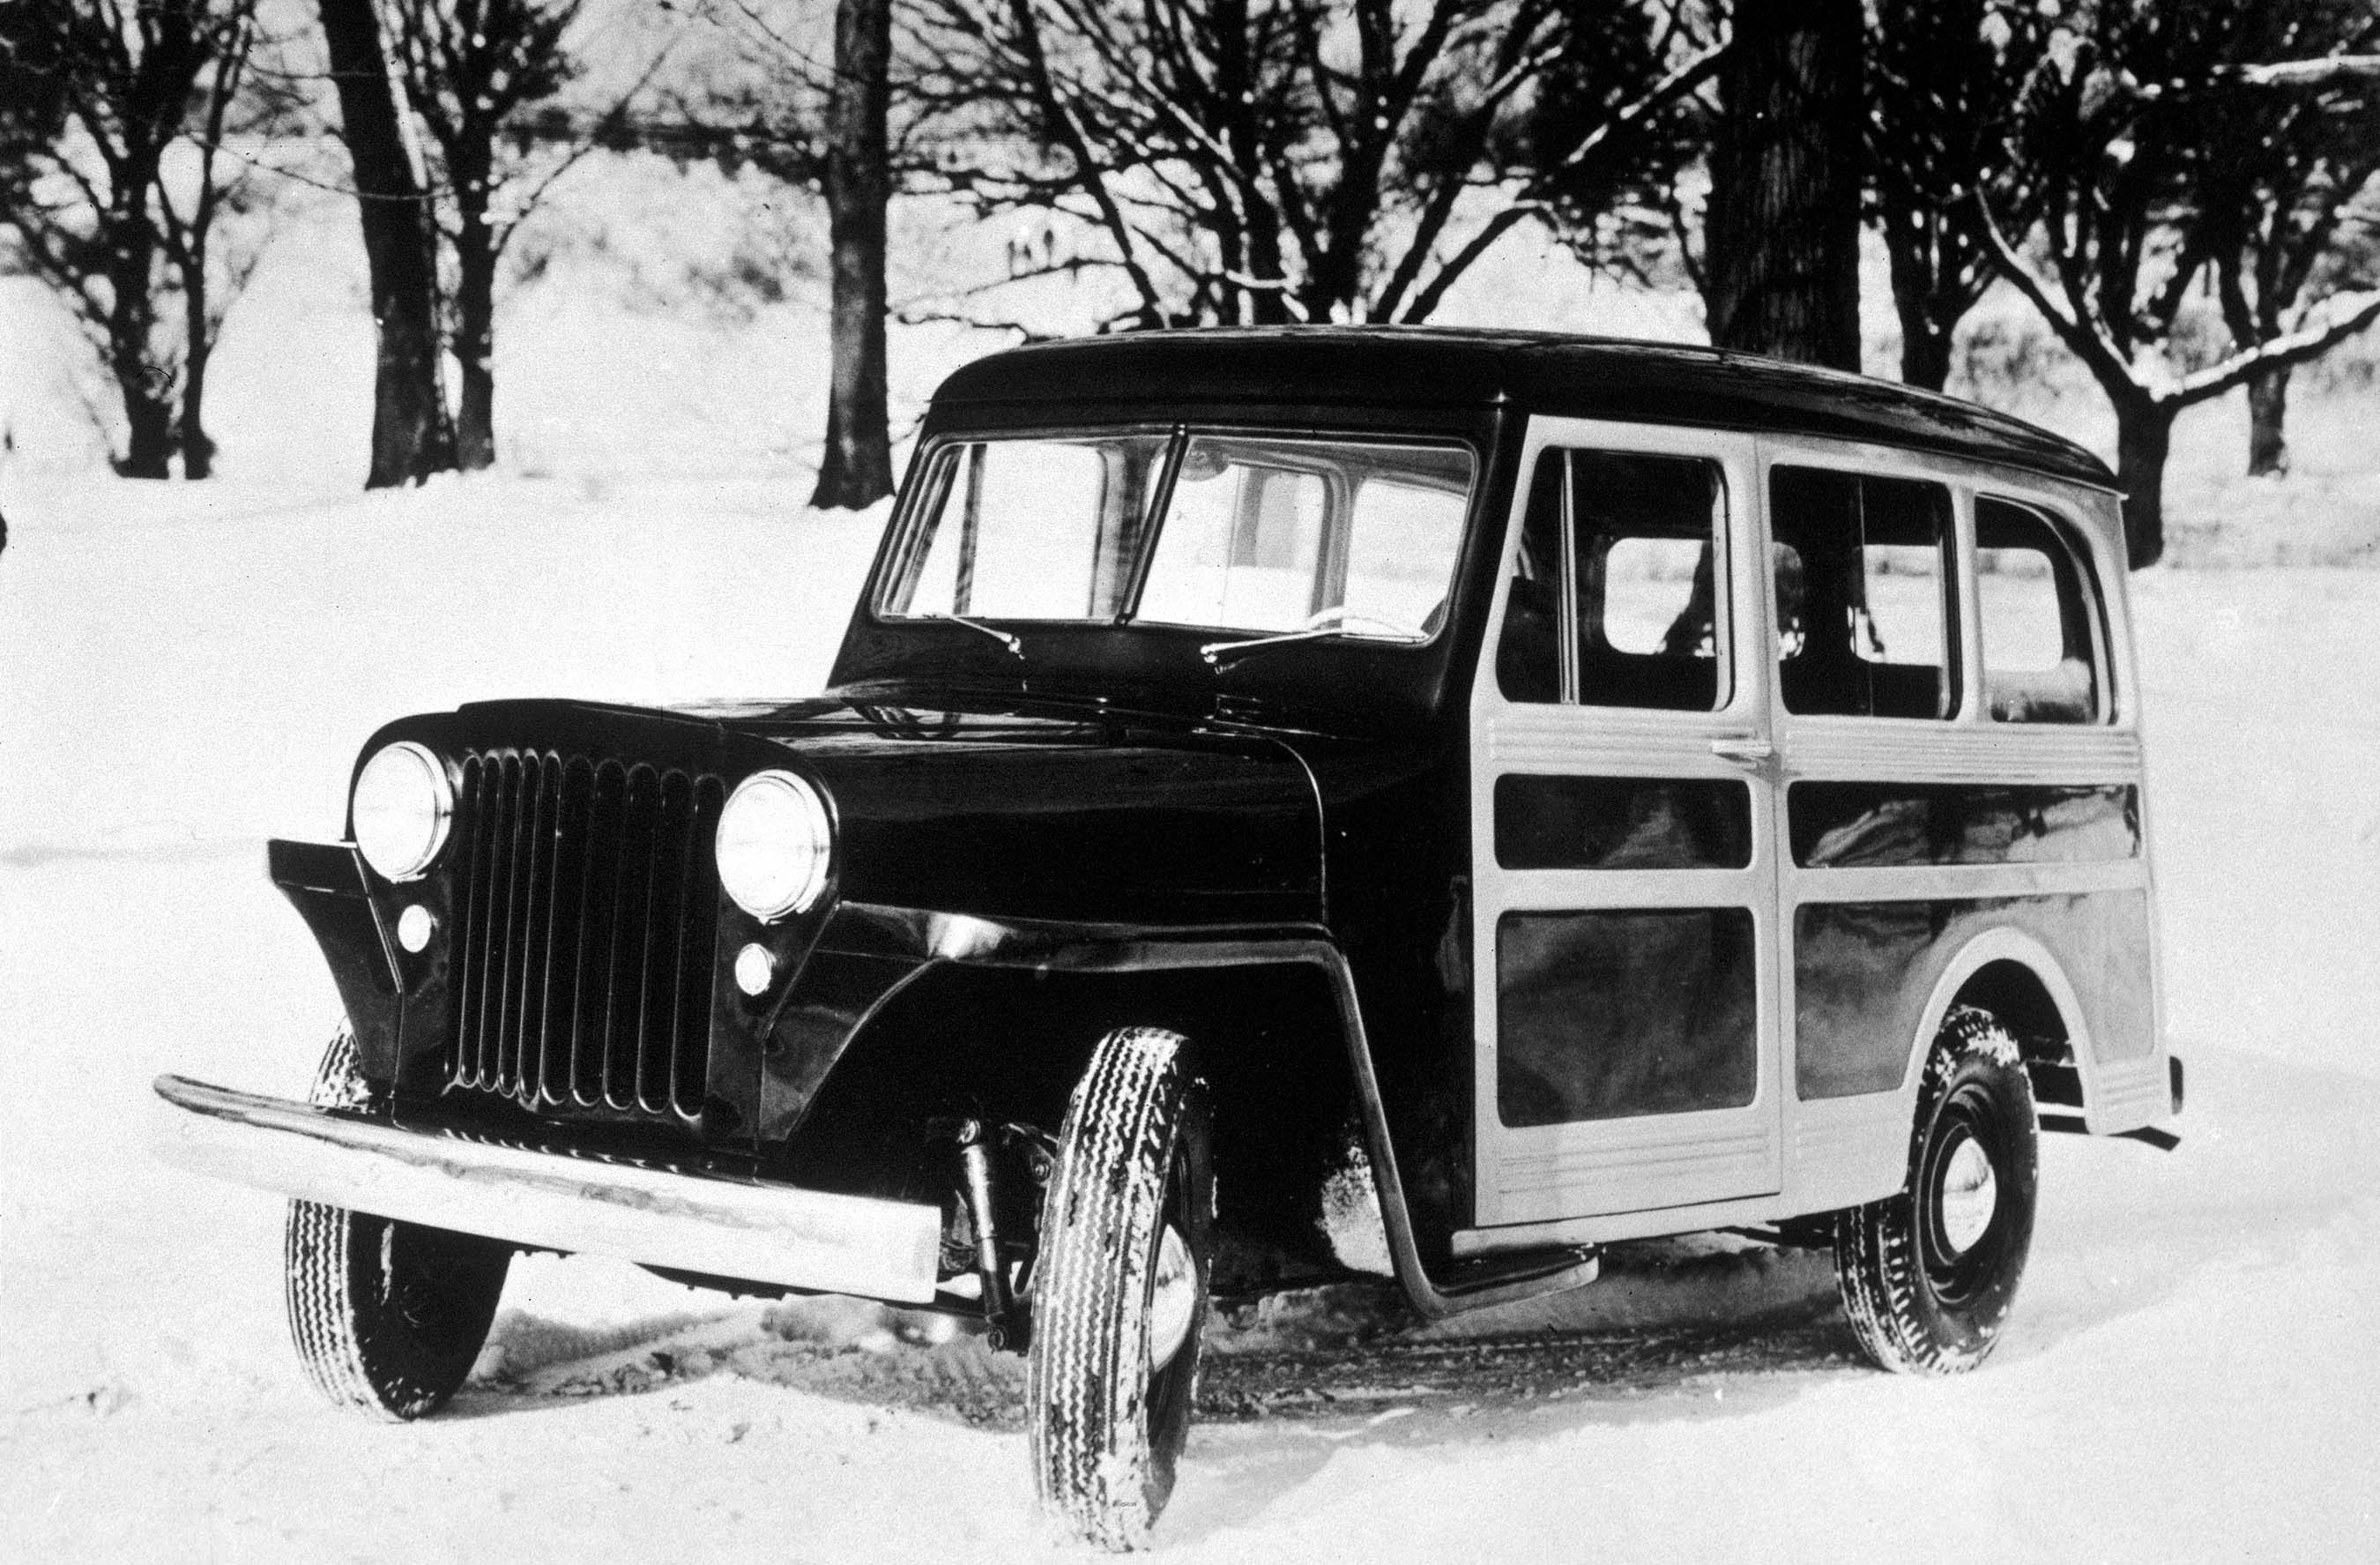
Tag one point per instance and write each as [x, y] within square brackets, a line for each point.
[2040, 660]
[1863, 573]
[1616, 589]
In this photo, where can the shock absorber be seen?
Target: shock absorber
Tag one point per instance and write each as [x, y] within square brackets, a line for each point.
[1000, 1312]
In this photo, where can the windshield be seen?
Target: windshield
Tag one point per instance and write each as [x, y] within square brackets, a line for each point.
[1226, 532]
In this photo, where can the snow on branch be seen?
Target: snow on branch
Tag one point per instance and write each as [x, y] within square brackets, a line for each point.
[2333, 70]
[2339, 319]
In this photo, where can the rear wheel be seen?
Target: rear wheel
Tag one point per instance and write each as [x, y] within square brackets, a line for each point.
[1119, 1295]
[387, 1316]
[1927, 1276]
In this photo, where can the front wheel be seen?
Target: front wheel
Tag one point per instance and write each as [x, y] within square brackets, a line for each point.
[1927, 1276]
[387, 1316]
[1119, 1291]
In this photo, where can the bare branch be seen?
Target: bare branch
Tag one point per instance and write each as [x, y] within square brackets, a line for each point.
[1451, 269]
[2081, 336]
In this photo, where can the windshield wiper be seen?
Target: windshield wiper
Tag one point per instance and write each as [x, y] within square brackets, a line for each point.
[1215, 652]
[1002, 637]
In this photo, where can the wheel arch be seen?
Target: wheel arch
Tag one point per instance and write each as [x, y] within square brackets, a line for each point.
[2011, 974]
[1049, 952]
[1008, 1042]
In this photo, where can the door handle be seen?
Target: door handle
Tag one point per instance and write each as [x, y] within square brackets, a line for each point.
[1746, 751]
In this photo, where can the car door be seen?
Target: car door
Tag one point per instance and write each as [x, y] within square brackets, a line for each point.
[1624, 854]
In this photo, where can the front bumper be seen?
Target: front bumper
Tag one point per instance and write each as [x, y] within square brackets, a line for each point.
[758, 1232]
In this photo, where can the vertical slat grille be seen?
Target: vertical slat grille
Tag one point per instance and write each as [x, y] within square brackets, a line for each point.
[584, 923]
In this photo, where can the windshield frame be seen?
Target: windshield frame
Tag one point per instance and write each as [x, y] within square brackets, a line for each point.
[909, 537]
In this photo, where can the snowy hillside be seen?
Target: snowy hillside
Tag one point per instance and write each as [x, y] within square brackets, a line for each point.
[2188, 1374]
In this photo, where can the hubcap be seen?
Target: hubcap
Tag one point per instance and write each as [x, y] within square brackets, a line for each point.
[1173, 1298]
[1970, 1194]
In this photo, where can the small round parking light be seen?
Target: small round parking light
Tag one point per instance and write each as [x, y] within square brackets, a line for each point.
[755, 971]
[402, 807]
[774, 841]
[414, 928]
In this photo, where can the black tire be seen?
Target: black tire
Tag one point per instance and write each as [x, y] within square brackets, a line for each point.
[1926, 1277]
[1105, 1423]
[388, 1317]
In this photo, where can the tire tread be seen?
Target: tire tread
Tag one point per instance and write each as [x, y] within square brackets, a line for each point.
[330, 1257]
[1094, 1463]
[1878, 1270]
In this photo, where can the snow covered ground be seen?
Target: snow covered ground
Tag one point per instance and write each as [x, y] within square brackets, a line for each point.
[185, 670]
[2189, 1376]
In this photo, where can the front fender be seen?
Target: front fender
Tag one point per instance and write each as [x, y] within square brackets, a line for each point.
[869, 953]
[882, 953]
[324, 881]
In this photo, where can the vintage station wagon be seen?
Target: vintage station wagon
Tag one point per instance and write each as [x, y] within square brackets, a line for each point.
[1290, 806]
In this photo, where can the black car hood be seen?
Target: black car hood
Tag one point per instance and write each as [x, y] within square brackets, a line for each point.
[1079, 817]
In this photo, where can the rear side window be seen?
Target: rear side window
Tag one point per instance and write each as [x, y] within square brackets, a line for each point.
[1864, 607]
[2041, 661]
[1614, 595]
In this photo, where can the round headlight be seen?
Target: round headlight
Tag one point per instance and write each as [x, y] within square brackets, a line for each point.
[774, 841]
[402, 807]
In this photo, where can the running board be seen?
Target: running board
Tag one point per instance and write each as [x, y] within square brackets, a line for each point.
[1483, 1280]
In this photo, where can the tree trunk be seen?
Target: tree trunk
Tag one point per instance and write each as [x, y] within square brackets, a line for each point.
[132, 314]
[411, 436]
[2143, 437]
[198, 447]
[1235, 85]
[2268, 407]
[1925, 356]
[149, 451]
[857, 468]
[1783, 231]
[475, 339]
[1925, 342]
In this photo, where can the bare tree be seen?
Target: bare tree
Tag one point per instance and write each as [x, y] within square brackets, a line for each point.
[857, 468]
[472, 71]
[1944, 79]
[2288, 205]
[1783, 252]
[833, 120]
[1607, 160]
[213, 264]
[412, 435]
[1255, 161]
[96, 91]
[2123, 238]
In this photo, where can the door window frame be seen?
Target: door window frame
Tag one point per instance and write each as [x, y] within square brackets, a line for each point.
[1571, 737]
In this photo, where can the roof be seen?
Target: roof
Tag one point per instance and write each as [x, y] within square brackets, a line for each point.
[1545, 371]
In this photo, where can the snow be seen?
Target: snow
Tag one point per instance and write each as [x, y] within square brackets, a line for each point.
[2187, 1375]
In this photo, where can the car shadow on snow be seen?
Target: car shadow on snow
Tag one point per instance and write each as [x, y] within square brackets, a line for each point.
[1486, 1392]
[1325, 1358]
[849, 1349]
[1693, 1329]
[2272, 1152]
